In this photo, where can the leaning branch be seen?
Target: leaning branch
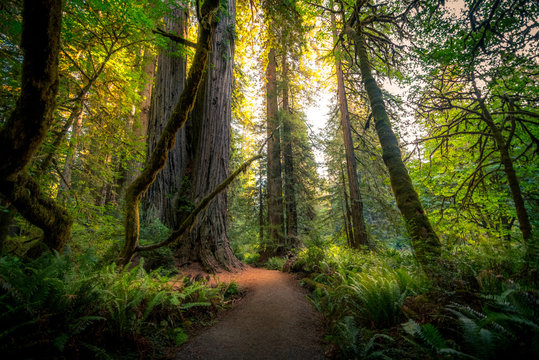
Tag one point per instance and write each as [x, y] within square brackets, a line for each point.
[175, 38]
[186, 225]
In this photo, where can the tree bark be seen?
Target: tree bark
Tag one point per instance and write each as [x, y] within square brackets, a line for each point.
[425, 242]
[260, 208]
[167, 139]
[161, 199]
[348, 213]
[288, 162]
[179, 233]
[275, 244]
[208, 241]
[27, 126]
[359, 231]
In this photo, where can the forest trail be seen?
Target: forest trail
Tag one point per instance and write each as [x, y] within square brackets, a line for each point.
[273, 321]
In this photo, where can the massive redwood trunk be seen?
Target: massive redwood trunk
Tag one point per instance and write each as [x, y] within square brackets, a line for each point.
[209, 140]
[176, 121]
[162, 198]
[425, 242]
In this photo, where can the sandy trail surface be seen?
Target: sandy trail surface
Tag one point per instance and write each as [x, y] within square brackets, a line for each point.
[273, 321]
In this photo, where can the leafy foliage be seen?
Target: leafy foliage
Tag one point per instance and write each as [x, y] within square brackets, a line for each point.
[56, 304]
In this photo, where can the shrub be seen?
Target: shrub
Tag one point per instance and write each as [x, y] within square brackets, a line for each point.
[506, 328]
[60, 307]
[275, 263]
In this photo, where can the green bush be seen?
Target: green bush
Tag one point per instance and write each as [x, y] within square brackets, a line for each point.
[507, 327]
[358, 292]
[275, 263]
[57, 306]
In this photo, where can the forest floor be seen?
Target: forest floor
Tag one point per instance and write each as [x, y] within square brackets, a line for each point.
[273, 321]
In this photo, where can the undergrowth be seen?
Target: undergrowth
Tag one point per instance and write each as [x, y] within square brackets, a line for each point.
[381, 305]
[63, 307]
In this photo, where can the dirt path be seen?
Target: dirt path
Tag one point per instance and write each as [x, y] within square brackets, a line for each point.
[273, 321]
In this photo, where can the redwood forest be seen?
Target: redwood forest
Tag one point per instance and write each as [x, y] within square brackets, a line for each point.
[269, 179]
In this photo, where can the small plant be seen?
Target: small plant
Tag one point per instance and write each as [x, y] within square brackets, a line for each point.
[275, 263]
[377, 300]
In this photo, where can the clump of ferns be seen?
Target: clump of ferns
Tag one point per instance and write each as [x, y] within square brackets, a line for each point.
[354, 342]
[507, 328]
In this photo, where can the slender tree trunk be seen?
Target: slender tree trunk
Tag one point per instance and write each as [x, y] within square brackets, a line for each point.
[425, 242]
[161, 199]
[208, 241]
[275, 244]
[260, 208]
[167, 139]
[512, 179]
[348, 213]
[359, 232]
[27, 126]
[139, 126]
[288, 162]
[65, 179]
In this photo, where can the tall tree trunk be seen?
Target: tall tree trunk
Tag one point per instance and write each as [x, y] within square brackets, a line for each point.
[275, 242]
[288, 162]
[512, 179]
[160, 201]
[128, 172]
[348, 213]
[208, 241]
[260, 208]
[27, 126]
[65, 179]
[167, 139]
[359, 231]
[425, 242]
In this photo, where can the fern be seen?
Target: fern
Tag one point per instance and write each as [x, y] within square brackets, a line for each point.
[432, 340]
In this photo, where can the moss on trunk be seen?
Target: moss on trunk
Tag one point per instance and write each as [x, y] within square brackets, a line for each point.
[28, 124]
[167, 139]
[425, 242]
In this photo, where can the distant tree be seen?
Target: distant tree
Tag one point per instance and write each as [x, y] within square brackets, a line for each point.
[357, 231]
